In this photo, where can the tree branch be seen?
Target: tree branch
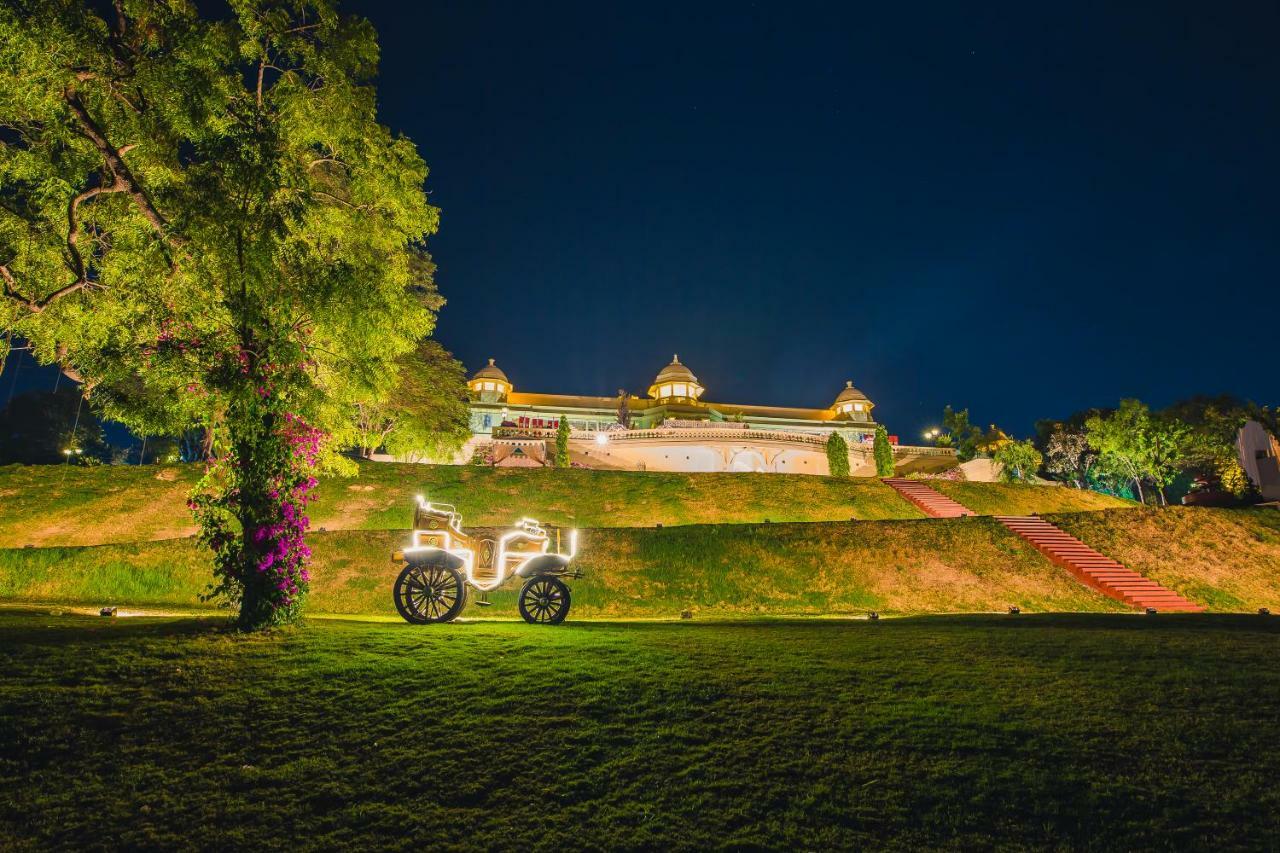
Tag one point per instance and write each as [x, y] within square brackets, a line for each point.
[121, 169]
[73, 224]
[36, 306]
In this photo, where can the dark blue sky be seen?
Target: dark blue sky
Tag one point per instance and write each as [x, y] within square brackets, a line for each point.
[1011, 208]
[1021, 209]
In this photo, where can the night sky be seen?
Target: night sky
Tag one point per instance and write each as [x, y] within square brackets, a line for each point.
[1020, 210]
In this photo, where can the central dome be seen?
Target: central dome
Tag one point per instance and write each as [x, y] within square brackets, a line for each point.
[675, 381]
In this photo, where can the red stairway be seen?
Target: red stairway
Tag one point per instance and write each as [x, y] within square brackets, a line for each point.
[929, 501]
[1102, 573]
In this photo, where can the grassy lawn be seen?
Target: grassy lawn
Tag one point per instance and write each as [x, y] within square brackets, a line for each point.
[1025, 499]
[927, 566]
[1224, 559]
[60, 505]
[1115, 732]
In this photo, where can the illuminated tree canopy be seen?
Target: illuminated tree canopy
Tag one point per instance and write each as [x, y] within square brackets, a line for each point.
[204, 224]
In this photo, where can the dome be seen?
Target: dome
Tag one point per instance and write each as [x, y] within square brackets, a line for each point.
[852, 404]
[490, 383]
[849, 393]
[491, 371]
[675, 372]
[675, 381]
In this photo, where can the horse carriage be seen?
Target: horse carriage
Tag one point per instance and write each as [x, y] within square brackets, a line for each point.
[443, 561]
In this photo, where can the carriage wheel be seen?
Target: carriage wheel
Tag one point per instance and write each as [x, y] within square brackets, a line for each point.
[544, 600]
[431, 593]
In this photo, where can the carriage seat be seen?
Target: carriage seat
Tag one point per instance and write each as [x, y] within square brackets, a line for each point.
[428, 516]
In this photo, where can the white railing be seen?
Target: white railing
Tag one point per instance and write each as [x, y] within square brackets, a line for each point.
[731, 434]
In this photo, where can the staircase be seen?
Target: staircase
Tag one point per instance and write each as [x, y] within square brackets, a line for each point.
[1093, 569]
[930, 502]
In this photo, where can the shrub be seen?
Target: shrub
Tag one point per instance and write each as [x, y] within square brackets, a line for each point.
[883, 453]
[837, 455]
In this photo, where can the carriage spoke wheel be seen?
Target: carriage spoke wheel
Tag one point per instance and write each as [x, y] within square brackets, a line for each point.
[432, 593]
[544, 600]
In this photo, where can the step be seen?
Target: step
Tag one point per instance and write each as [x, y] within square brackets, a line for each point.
[1096, 570]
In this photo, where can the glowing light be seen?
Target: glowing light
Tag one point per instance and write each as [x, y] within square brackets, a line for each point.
[503, 567]
[602, 439]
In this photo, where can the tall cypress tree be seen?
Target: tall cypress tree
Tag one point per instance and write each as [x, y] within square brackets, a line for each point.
[883, 452]
[562, 444]
[837, 455]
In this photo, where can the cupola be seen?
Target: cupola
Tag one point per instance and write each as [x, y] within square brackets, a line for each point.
[852, 404]
[489, 383]
[675, 384]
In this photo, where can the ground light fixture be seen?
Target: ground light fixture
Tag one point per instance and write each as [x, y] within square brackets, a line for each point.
[1014, 610]
[873, 616]
[1262, 611]
[1151, 611]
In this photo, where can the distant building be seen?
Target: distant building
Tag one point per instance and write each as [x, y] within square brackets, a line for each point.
[1260, 458]
[673, 428]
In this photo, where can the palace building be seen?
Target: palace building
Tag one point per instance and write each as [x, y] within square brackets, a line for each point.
[673, 428]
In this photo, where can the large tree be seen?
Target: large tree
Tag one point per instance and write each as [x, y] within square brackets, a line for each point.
[1145, 447]
[1068, 456]
[423, 416]
[960, 434]
[1019, 461]
[204, 224]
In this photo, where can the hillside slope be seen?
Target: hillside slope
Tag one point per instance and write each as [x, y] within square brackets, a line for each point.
[59, 505]
[1224, 559]
[1025, 499]
[927, 566]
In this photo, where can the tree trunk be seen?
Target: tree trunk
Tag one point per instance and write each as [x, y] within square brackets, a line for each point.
[1137, 482]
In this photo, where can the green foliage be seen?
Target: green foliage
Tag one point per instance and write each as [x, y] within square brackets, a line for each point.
[837, 455]
[204, 223]
[883, 453]
[1019, 461]
[963, 435]
[562, 444]
[1068, 456]
[424, 416]
[1143, 448]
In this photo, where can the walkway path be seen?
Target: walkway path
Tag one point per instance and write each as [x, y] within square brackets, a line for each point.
[929, 501]
[1087, 565]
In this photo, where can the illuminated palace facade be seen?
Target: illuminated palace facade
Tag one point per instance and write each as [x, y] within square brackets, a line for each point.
[672, 428]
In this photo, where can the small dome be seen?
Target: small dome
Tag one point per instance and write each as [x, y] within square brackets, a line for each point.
[849, 393]
[675, 372]
[491, 371]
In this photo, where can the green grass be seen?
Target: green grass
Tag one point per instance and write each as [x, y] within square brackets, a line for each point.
[1111, 732]
[1025, 499]
[60, 505]
[1224, 559]
[722, 571]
